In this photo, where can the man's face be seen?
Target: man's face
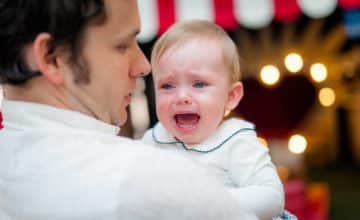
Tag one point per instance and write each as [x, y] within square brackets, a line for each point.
[114, 60]
[191, 88]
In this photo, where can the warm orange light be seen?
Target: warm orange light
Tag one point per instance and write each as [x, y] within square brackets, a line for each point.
[297, 144]
[318, 72]
[327, 97]
[293, 62]
[263, 141]
[270, 75]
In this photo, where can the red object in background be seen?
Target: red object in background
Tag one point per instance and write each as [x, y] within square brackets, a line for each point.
[307, 201]
[295, 198]
[318, 201]
[166, 17]
[349, 4]
[224, 14]
[1, 121]
[277, 111]
[286, 10]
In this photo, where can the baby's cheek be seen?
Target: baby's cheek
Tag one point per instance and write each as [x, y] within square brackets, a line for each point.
[163, 111]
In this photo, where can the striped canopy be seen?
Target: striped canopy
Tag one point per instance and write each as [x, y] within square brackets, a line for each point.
[158, 15]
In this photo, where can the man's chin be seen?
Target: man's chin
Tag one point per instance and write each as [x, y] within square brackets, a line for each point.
[121, 121]
[118, 118]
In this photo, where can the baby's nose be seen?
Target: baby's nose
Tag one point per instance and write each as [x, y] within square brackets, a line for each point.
[184, 97]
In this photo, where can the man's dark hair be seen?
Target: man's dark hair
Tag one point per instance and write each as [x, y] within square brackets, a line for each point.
[22, 20]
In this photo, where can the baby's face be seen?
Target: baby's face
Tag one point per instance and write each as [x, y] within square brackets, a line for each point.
[192, 89]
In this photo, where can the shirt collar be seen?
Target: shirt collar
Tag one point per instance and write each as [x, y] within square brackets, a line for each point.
[225, 132]
[20, 115]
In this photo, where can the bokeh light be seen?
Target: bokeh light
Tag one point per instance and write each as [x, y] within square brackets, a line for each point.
[318, 72]
[270, 75]
[293, 62]
[327, 97]
[297, 144]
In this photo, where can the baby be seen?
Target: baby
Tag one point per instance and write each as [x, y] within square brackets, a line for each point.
[196, 74]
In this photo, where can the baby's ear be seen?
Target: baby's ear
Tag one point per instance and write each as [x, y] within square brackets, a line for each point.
[235, 94]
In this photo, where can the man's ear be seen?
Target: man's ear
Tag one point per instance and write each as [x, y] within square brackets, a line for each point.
[46, 60]
[235, 94]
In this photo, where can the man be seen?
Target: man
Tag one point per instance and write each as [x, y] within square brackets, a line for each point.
[68, 68]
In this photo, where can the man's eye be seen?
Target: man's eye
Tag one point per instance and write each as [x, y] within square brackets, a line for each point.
[166, 86]
[199, 84]
[123, 47]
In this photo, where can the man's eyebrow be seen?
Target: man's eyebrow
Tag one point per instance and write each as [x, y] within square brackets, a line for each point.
[135, 32]
[130, 35]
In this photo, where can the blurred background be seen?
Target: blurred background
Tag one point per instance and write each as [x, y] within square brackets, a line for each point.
[300, 62]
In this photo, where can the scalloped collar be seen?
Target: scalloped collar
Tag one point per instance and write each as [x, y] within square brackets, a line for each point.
[225, 132]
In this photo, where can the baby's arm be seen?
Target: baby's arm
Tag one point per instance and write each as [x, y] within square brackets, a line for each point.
[257, 185]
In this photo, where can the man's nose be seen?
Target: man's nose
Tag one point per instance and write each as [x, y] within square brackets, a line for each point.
[141, 66]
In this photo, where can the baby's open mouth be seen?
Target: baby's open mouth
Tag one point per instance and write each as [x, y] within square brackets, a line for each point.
[188, 120]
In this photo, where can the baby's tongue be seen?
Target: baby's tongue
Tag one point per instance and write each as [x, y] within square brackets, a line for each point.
[187, 119]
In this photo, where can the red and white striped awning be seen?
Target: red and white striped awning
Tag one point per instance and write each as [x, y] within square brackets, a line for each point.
[158, 15]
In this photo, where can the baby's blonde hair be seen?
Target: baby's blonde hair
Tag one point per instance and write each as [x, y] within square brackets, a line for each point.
[185, 30]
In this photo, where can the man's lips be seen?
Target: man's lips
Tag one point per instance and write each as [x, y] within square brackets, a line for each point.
[127, 99]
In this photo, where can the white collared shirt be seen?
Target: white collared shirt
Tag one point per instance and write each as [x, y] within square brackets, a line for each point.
[57, 164]
[237, 158]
